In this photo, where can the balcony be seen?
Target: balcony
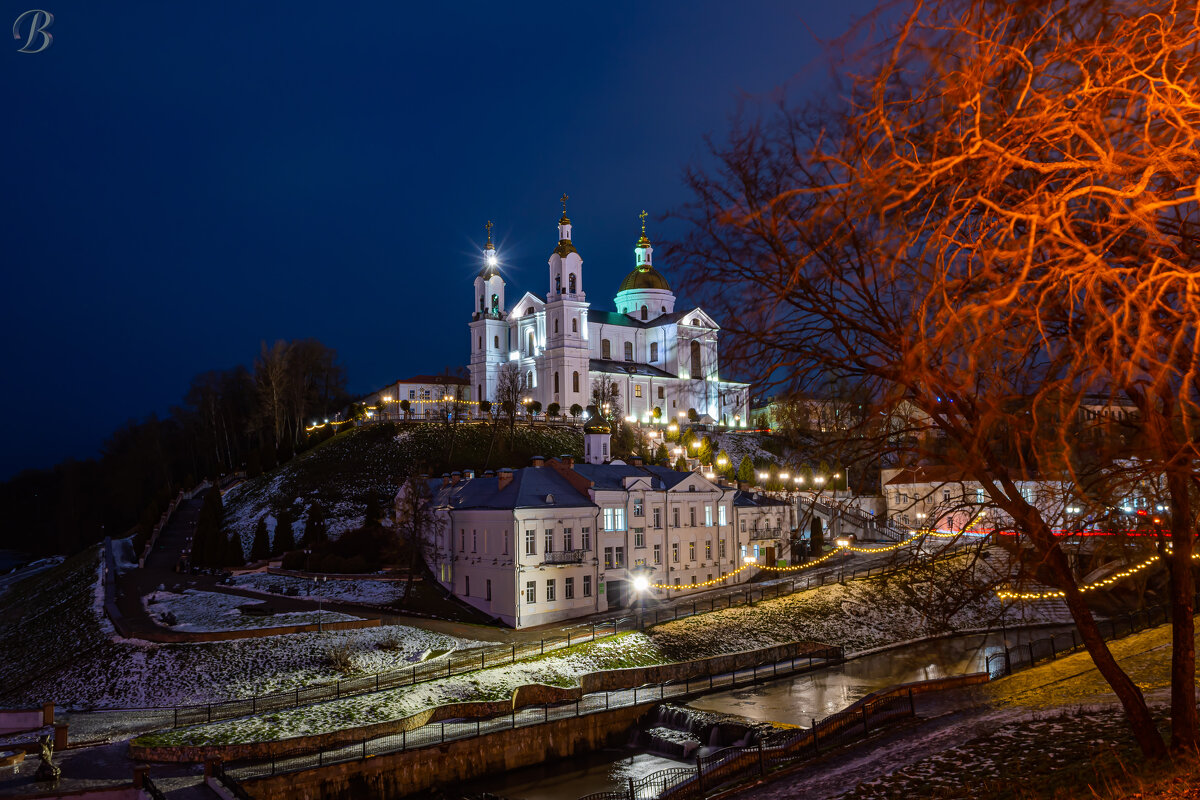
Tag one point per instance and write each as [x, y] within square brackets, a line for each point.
[565, 557]
[765, 533]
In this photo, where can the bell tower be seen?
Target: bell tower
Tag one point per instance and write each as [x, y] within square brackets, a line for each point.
[564, 371]
[489, 324]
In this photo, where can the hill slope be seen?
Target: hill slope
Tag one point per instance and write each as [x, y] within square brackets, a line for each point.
[343, 472]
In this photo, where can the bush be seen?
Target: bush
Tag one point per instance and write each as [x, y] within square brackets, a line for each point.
[294, 560]
[340, 658]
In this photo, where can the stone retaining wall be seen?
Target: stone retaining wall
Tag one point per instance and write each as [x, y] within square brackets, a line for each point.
[399, 774]
[252, 633]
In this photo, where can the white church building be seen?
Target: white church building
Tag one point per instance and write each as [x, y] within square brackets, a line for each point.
[655, 355]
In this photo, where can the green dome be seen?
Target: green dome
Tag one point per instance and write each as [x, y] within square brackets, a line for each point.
[645, 277]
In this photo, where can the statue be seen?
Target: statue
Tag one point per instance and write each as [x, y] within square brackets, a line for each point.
[48, 770]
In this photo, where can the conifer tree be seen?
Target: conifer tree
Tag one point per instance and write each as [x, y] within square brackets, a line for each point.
[745, 470]
[261, 548]
[681, 464]
[374, 512]
[315, 530]
[234, 555]
[285, 539]
[724, 465]
[661, 456]
[208, 543]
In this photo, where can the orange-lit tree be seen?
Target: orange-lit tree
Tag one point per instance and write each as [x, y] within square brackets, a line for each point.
[996, 230]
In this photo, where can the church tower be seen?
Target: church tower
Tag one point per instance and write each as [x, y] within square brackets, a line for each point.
[645, 293]
[489, 327]
[563, 370]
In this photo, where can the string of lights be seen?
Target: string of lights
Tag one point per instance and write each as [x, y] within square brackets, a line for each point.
[748, 565]
[1058, 594]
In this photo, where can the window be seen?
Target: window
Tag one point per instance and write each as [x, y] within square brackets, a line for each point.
[530, 543]
[467, 585]
[945, 495]
[496, 342]
[569, 588]
[721, 548]
[571, 283]
[697, 369]
[629, 351]
[645, 312]
[608, 562]
[575, 381]
[550, 590]
[658, 554]
[708, 550]
[529, 341]
[660, 393]
[979, 496]
[721, 520]
[675, 517]
[693, 580]
[743, 526]
[568, 539]
[487, 588]
[587, 585]
[556, 383]
[556, 325]
[637, 390]
[585, 538]
[675, 552]
[677, 581]
[480, 342]
[549, 540]
[639, 538]
[529, 379]
[708, 516]
[654, 357]
[743, 552]
[530, 592]
[691, 551]
[605, 349]
[639, 508]
[658, 517]
[709, 578]
[614, 519]
[462, 541]
[574, 324]
[474, 541]
[692, 516]
[619, 557]
[506, 543]
[639, 562]
[412, 394]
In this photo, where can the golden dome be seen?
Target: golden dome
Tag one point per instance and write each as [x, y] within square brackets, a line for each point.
[645, 277]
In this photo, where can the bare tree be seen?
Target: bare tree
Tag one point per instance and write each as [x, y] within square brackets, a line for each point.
[997, 227]
[418, 526]
[510, 389]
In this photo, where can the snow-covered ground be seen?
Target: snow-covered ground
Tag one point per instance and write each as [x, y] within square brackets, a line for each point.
[17, 574]
[357, 590]
[195, 610]
[490, 684]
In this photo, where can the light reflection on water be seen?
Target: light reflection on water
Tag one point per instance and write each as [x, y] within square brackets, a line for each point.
[569, 778]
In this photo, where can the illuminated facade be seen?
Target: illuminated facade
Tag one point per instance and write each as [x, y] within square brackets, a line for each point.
[656, 357]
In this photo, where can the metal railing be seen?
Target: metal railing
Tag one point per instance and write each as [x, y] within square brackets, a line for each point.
[149, 788]
[439, 733]
[735, 764]
[230, 784]
[565, 556]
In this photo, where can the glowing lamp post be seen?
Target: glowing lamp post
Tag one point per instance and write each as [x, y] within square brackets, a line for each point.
[641, 585]
[842, 543]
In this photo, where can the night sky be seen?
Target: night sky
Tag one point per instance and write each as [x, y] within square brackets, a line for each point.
[184, 180]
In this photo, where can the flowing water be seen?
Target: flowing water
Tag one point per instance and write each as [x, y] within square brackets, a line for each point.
[675, 735]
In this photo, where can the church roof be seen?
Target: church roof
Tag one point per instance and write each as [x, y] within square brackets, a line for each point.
[645, 277]
[626, 368]
[615, 318]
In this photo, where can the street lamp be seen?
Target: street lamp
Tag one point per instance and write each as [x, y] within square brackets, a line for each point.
[842, 543]
[317, 581]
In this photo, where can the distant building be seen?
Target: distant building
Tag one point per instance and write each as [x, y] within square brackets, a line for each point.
[427, 396]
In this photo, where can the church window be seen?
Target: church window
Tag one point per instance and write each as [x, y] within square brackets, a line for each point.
[530, 349]
[481, 302]
[496, 342]
[558, 284]
[654, 351]
[645, 313]
[629, 351]
[571, 283]
[664, 309]
[637, 390]
[556, 383]
[556, 326]
[660, 393]
[574, 326]
[529, 311]
[575, 381]
[479, 391]
[605, 349]
[480, 342]
[697, 366]
[495, 304]
[529, 379]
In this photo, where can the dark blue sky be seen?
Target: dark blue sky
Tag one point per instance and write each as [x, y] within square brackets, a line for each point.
[185, 180]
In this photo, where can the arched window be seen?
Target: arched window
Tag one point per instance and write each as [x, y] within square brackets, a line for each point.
[664, 309]
[556, 383]
[556, 325]
[629, 351]
[480, 342]
[575, 381]
[645, 313]
[697, 368]
[654, 351]
[605, 349]
[571, 283]
[495, 304]
[481, 302]
[574, 325]
[496, 342]
[558, 284]
[529, 379]
[530, 350]
[529, 311]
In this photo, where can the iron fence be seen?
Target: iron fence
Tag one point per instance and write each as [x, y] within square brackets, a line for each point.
[149, 788]
[441, 732]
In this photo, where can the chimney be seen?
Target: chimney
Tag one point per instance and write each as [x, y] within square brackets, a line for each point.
[537, 461]
[455, 477]
[567, 460]
[636, 461]
[468, 474]
[503, 478]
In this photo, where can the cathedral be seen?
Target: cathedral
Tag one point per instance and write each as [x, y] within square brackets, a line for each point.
[659, 362]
